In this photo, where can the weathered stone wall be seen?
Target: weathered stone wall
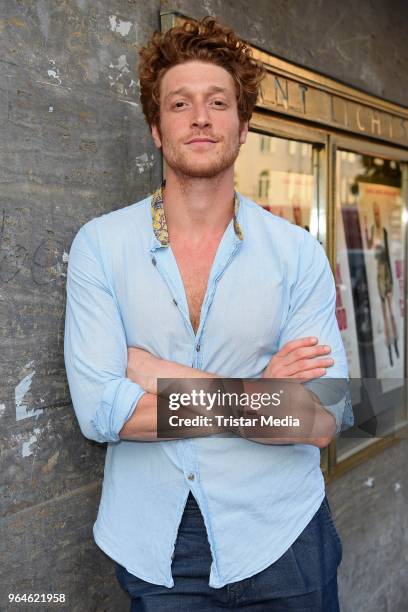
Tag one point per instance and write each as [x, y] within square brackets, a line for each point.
[73, 146]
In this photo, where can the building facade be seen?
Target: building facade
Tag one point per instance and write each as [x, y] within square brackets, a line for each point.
[327, 150]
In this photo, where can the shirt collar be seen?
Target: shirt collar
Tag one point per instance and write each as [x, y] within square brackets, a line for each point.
[159, 219]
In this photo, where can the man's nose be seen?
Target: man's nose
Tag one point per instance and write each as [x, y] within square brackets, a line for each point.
[201, 117]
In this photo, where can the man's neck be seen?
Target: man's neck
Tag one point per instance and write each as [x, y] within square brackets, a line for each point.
[198, 208]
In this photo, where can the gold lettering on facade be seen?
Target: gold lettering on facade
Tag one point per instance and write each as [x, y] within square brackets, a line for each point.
[292, 97]
[404, 125]
[359, 124]
[281, 93]
[296, 96]
[338, 110]
[303, 90]
[376, 123]
[390, 125]
[332, 113]
[268, 91]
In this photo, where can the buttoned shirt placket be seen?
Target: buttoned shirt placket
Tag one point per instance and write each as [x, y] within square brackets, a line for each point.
[165, 263]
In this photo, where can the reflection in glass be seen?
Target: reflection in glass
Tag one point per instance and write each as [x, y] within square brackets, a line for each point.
[370, 283]
[277, 174]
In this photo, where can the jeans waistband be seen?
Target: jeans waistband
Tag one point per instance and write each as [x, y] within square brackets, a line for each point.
[191, 507]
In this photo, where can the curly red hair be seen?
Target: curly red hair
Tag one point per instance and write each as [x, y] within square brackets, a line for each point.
[206, 40]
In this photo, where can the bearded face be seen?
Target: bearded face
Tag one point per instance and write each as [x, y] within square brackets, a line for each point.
[200, 133]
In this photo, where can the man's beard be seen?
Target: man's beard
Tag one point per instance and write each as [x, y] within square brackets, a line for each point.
[187, 163]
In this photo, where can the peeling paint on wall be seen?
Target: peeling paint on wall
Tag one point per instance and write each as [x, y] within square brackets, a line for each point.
[116, 25]
[122, 64]
[58, 268]
[123, 81]
[54, 73]
[129, 102]
[143, 162]
[22, 411]
[2, 409]
[26, 447]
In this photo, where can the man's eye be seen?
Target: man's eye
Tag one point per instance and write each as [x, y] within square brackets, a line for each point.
[219, 103]
[179, 104]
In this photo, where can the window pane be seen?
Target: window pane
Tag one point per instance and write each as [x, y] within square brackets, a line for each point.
[370, 290]
[278, 174]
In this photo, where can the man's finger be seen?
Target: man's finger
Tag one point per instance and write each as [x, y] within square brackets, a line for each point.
[294, 344]
[305, 365]
[312, 352]
[309, 374]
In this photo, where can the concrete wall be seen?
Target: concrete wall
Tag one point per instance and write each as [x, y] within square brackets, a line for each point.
[74, 145]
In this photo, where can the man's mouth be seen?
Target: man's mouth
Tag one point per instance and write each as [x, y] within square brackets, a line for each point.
[202, 139]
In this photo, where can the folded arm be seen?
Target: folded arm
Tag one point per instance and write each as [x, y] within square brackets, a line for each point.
[311, 313]
[300, 360]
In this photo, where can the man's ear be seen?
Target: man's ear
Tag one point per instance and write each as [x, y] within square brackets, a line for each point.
[243, 131]
[156, 136]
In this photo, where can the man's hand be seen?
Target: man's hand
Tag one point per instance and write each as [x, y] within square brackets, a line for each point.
[298, 359]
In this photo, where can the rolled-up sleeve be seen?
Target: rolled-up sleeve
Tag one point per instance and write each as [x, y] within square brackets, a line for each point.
[95, 349]
[312, 312]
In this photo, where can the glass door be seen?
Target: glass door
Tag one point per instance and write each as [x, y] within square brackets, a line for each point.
[370, 283]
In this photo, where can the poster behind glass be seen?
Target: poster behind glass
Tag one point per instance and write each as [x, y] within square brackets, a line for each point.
[369, 282]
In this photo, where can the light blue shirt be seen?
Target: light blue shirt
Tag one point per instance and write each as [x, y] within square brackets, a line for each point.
[268, 285]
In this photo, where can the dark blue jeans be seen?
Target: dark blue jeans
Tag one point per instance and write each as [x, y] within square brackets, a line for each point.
[304, 579]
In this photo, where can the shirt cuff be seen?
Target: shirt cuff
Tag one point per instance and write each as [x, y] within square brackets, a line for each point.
[343, 413]
[335, 397]
[117, 404]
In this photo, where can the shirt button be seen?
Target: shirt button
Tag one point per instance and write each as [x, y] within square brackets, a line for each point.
[198, 348]
[154, 261]
[191, 476]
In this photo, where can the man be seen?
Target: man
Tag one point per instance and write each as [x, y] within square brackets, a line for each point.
[198, 281]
